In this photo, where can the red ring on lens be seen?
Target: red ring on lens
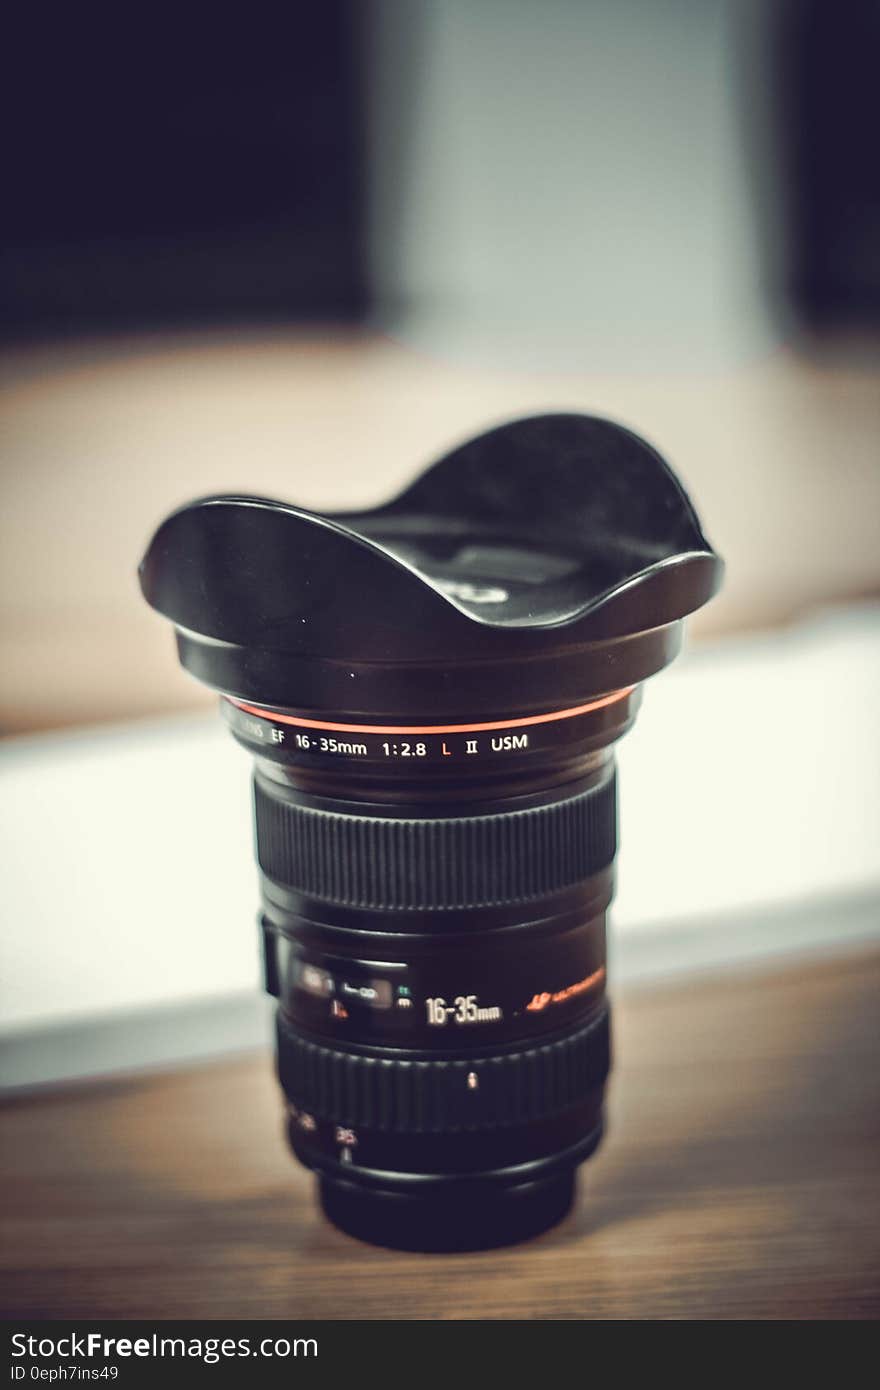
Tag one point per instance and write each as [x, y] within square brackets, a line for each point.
[304, 723]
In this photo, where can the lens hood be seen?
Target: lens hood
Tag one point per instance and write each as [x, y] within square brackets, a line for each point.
[543, 562]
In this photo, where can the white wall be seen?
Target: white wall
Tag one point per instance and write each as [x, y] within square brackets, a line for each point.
[565, 182]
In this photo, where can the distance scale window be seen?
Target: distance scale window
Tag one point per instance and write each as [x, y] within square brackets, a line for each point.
[342, 991]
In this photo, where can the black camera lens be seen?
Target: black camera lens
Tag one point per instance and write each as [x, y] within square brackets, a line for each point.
[431, 692]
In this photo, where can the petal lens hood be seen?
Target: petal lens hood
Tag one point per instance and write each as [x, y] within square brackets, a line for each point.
[548, 560]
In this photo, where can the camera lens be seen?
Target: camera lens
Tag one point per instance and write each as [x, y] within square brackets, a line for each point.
[431, 692]
[434, 929]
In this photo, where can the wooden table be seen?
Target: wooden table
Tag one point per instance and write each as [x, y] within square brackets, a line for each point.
[740, 1178]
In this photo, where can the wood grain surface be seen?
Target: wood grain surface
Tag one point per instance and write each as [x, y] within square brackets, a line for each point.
[740, 1179]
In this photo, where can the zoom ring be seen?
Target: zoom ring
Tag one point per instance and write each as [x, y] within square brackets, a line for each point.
[426, 865]
[435, 1096]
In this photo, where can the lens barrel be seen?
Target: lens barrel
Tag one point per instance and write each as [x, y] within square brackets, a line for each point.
[433, 927]
[431, 692]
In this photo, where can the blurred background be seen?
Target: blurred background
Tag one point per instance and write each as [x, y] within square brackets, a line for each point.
[302, 255]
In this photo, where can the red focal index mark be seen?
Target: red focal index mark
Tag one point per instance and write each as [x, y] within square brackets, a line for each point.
[303, 723]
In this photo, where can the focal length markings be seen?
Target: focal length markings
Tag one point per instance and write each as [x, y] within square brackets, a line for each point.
[434, 749]
[464, 1009]
[291, 737]
[331, 745]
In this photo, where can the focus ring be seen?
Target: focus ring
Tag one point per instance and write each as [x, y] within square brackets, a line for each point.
[442, 1096]
[425, 865]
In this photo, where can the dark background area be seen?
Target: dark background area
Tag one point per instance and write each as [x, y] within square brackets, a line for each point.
[827, 60]
[202, 169]
[213, 168]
